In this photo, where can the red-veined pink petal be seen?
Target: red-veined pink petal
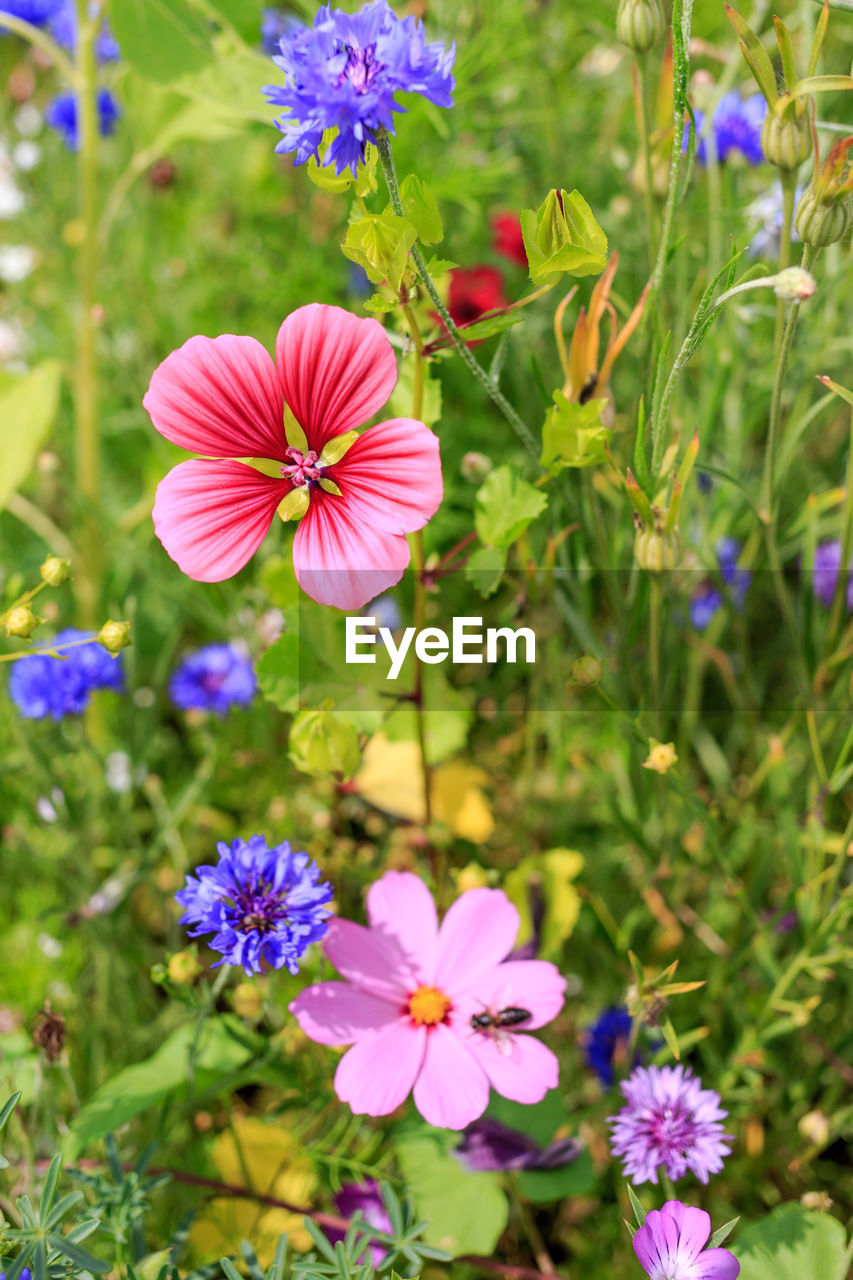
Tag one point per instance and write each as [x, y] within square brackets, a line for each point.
[339, 1013]
[393, 473]
[221, 397]
[339, 559]
[400, 906]
[378, 1072]
[212, 516]
[451, 1089]
[477, 932]
[335, 369]
[525, 1073]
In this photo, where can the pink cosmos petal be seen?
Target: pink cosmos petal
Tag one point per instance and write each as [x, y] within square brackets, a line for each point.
[400, 905]
[694, 1228]
[393, 473]
[339, 559]
[374, 963]
[715, 1264]
[219, 396]
[335, 370]
[525, 1074]
[339, 1013]
[378, 1072]
[535, 985]
[656, 1244]
[477, 932]
[452, 1089]
[212, 516]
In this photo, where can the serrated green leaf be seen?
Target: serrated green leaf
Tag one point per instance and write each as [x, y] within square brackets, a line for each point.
[505, 506]
[793, 1243]
[421, 209]
[573, 435]
[380, 243]
[485, 568]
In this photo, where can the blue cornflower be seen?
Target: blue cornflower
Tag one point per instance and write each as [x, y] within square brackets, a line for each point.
[386, 611]
[44, 686]
[827, 562]
[607, 1039]
[61, 115]
[737, 127]
[275, 25]
[262, 904]
[707, 598]
[36, 12]
[63, 26]
[214, 678]
[343, 73]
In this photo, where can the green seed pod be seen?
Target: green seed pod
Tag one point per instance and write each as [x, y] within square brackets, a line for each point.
[114, 636]
[655, 552]
[55, 571]
[587, 670]
[819, 224]
[640, 24]
[785, 140]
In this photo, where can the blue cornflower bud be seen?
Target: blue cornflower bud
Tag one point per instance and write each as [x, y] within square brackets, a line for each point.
[343, 73]
[264, 906]
[214, 678]
[61, 115]
[606, 1041]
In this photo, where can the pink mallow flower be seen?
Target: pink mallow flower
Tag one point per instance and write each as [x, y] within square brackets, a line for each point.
[357, 495]
[411, 992]
[671, 1246]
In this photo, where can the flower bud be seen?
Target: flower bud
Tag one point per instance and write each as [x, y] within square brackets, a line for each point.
[794, 285]
[20, 621]
[786, 140]
[475, 467]
[324, 744]
[55, 571]
[114, 636]
[655, 550]
[587, 670]
[825, 211]
[640, 24]
[183, 967]
[246, 1000]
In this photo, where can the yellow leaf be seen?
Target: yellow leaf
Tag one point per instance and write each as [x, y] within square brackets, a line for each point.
[554, 872]
[390, 778]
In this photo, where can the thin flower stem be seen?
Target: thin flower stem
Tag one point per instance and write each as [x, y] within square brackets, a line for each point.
[41, 40]
[789, 191]
[49, 651]
[654, 647]
[681, 21]
[667, 1186]
[386, 158]
[86, 444]
[641, 100]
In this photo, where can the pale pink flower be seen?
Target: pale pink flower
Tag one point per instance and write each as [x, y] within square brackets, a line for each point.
[225, 398]
[410, 994]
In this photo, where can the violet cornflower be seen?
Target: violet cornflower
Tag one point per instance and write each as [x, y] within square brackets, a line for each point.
[671, 1246]
[737, 128]
[489, 1146]
[669, 1121]
[827, 561]
[344, 72]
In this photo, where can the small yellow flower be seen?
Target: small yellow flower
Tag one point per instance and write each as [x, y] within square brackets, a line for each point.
[661, 756]
[183, 967]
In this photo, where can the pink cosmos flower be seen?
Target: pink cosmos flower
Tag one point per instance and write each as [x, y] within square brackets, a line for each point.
[671, 1246]
[225, 398]
[411, 992]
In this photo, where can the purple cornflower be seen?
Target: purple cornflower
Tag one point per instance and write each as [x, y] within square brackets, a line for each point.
[707, 598]
[44, 686]
[214, 678]
[668, 1120]
[275, 25]
[61, 115]
[671, 1246]
[63, 26]
[262, 904]
[827, 561]
[487, 1145]
[364, 1198]
[737, 127]
[606, 1040]
[343, 73]
[36, 12]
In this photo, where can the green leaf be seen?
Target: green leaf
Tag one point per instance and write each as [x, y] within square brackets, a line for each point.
[134, 1089]
[81, 1258]
[820, 84]
[639, 1211]
[324, 745]
[756, 55]
[421, 209]
[400, 404]
[573, 435]
[28, 407]
[505, 506]
[543, 1186]
[485, 569]
[792, 1243]
[244, 16]
[845, 395]
[722, 1233]
[380, 243]
[230, 85]
[161, 39]
[466, 1212]
[324, 176]
[487, 328]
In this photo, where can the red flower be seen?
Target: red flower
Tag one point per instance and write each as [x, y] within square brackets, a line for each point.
[473, 291]
[507, 239]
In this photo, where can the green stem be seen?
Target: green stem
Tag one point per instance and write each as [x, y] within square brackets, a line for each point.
[644, 132]
[86, 456]
[789, 191]
[41, 40]
[386, 159]
[782, 357]
[654, 648]
[681, 21]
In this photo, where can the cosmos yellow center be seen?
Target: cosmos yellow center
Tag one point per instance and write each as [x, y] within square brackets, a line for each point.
[428, 1006]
